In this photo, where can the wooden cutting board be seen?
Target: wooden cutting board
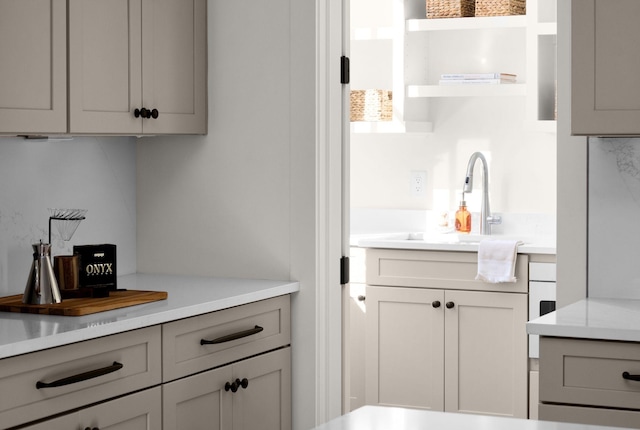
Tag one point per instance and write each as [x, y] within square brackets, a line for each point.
[83, 305]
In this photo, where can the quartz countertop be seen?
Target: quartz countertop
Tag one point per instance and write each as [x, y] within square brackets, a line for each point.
[385, 418]
[187, 296]
[592, 318]
[449, 242]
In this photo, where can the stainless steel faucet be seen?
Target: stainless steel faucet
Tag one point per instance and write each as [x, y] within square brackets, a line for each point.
[485, 213]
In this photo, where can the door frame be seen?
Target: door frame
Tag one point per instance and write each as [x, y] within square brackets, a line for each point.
[332, 161]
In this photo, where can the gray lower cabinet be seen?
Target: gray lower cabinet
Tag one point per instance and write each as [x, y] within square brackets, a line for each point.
[139, 411]
[229, 369]
[458, 348]
[250, 394]
[583, 381]
[42, 384]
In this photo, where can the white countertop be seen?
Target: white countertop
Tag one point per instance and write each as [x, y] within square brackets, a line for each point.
[607, 319]
[448, 242]
[385, 418]
[187, 296]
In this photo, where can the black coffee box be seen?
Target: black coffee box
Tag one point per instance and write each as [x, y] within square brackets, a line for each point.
[97, 265]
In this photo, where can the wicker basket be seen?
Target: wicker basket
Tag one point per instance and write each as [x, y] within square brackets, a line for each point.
[500, 7]
[450, 8]
[371, 105]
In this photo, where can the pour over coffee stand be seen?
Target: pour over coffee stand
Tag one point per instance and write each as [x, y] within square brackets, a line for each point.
[68, 221]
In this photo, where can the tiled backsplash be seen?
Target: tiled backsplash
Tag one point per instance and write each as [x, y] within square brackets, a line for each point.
[614, 210]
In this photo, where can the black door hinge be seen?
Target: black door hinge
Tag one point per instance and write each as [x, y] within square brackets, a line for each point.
[344, 70]
[344, 270]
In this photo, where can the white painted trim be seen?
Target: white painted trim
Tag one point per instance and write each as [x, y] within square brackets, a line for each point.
[329, 133]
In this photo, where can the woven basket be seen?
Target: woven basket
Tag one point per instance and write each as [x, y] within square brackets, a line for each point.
[500, 7]
[450, 8]
[371, 105]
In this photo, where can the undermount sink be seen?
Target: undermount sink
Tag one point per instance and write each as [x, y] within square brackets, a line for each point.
[447, 238]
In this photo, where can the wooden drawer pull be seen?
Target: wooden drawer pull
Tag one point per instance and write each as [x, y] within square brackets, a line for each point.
[81, 376]
[234, 336]
[630, 377]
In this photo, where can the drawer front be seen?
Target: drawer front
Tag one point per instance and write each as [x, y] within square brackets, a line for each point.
[592, 416]
[97, 369]
[138, 411]
[203, 342]
[433, 269]
[589, 372]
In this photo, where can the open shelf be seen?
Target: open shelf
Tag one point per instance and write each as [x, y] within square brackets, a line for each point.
[469, 90]
[478, 23]
[390, 127]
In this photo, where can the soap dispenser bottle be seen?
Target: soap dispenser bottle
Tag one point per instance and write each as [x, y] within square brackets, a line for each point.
[463, 218]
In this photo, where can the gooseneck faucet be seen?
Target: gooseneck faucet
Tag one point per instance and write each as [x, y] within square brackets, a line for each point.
[486, 219]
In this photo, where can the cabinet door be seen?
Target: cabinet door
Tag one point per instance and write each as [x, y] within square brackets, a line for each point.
[605, 96]
[190, 402]
[486, 353]
[174, 65]
[405, 338]
[265, 403]
[105, 69]
[33, 69]
[354, 343]
[139, 411]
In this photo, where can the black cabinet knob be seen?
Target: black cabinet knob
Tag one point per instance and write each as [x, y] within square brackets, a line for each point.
[231, 386]
[435, 303]
[450, 305]
[244, 383]
[146, 113]
[362, 298]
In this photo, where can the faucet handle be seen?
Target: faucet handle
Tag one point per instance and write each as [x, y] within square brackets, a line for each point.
[494, 219]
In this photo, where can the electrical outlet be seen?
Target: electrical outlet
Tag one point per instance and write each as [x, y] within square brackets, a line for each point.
[418, 183]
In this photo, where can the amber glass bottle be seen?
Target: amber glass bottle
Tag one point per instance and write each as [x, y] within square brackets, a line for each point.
[463, 218]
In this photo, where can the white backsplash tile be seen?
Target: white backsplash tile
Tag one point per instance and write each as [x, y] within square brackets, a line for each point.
[614, 211]
[91, 173]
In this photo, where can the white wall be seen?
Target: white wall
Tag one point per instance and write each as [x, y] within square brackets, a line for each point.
[571, 251]
[91, 173]
[522, 170]
[240, 202]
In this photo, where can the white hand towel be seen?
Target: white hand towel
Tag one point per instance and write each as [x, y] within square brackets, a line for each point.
[497, 260]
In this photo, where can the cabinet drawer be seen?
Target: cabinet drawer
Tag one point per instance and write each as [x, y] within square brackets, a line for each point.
[104, 367]
[433, 269]
[138, 411]
[233, 334]
[592, 416]
[589, 372]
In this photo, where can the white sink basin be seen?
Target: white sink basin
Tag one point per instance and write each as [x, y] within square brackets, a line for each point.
[442, 238]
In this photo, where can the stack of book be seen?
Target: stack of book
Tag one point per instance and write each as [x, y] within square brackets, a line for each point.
[476, 78]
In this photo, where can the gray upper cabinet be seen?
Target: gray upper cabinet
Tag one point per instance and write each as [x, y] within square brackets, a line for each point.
[605, 64]
[33, 69]
[138, 66]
